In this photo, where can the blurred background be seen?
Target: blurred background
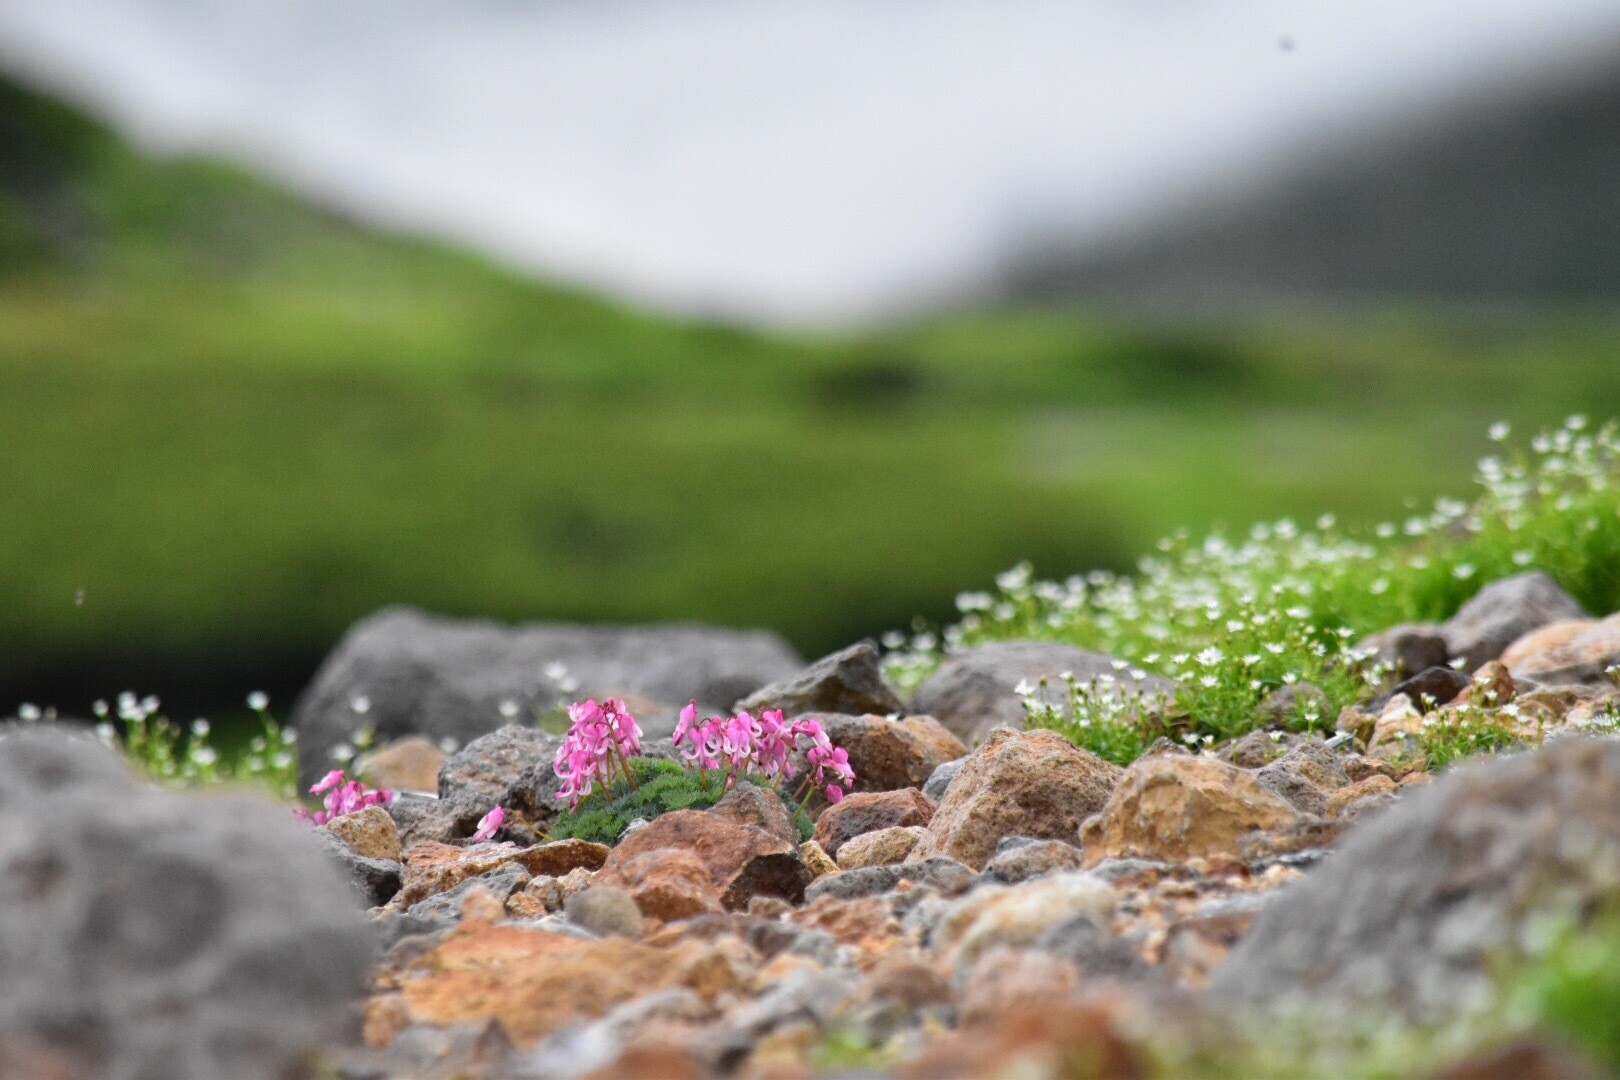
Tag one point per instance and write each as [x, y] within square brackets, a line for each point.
[798, 316]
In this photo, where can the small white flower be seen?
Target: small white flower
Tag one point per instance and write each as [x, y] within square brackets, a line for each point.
[1211, 656]
[342, 752]
[1275, 736]
[449, 745]
[258, 701]
[508, 708]
[360, 704]
[289, 735]
[1500, 430]
[1463, 571]
[200, 727]
[281, 760]
[1209, 681]
[28, 711]
[205, 755]
[1191, 738]
[106, 733]
[556, 670]
[893, 639]
[99, 707]
[1521, 558]
[1024, 688]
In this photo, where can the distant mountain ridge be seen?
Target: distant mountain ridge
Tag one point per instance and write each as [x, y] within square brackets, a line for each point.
[1513, 197]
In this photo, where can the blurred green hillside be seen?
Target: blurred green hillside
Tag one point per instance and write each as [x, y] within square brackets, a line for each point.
[233, 423]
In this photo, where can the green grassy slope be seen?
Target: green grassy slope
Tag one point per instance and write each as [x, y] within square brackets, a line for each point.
[233, 423]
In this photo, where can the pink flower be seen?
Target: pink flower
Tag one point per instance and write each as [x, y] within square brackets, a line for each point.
[488, 825]
[327, 782]
[342, 797]
[595, 734]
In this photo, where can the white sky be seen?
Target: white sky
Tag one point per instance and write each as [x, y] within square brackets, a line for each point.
[831, 159]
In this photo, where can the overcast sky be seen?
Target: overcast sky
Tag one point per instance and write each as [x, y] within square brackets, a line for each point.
[835, 159]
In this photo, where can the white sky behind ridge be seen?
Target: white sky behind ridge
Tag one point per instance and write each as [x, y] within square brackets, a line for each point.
[832, 160]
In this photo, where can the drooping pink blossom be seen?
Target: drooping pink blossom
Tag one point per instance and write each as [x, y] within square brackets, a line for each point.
[596, 733]
[489, 825]
[343, 796]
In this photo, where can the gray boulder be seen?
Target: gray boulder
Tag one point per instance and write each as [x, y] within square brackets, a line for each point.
[1504, 611]
[849, 681]
[973, 690]
[146, 933]
[418, 674]
[940, 779]
[477, 776]
[1411, 911]
[375, 880]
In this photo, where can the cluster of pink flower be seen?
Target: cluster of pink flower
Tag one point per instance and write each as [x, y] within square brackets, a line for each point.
[600, 738]
[744, 744]
[343, 796]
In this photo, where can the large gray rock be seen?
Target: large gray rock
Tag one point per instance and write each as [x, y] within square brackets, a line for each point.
[1411, 911]
[476, 777]
[972, 691]
[849, 681]
[1504, 611]
[420, 674]
[154, 934]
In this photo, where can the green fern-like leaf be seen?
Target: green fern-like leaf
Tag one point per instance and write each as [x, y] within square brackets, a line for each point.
[660, 787]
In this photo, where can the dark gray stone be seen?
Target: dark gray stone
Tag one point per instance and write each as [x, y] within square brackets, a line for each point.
[941, 778]
[420, 817]
[1286, 703]
[1504, 611]
[441, 677]
[1031, 859]
[849, 681]
[972, 691]
[151, 933]
[1437, 685]
[940, 871]
[1407, 649]
[375, 880]
[1420, 900]
[1100, 956]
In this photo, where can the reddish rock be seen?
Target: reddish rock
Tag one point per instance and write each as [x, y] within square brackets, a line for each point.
[748, 804]
[1019, 783]
[743, 861]
[1575, 651]
[669, 884]
[529, 981]
[868, 812]
[889, 754]
[1179, 808]
[431, 867]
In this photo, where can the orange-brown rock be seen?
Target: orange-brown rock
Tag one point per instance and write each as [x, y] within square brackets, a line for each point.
[528, 980]
[370, 833]
[1004, 979]
[867, 920]
[870, 811]
[431, 867]
[743, 861]
[1372, 785]
[1179, 808]
[1018, 783]
[1576, 651]
[669, 884]
[1082, 1041]
[408, 764]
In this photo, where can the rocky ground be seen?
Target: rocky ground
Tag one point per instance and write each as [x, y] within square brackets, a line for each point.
[988, 901]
